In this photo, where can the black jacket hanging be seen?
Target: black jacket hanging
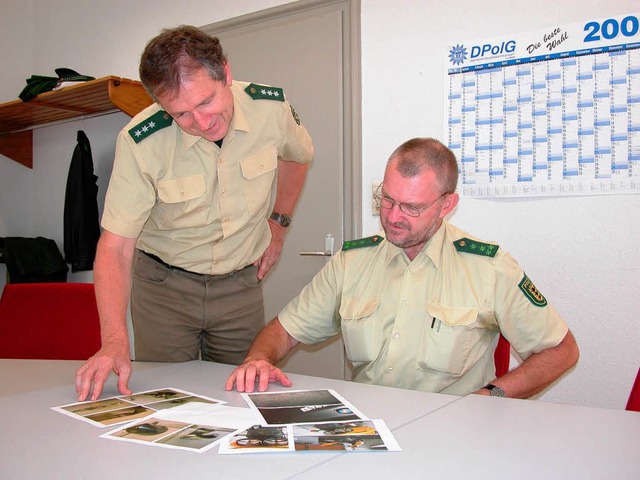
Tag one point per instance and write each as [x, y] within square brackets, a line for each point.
[81, 225]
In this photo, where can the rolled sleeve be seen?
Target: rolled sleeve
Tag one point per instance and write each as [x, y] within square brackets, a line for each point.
[530, 327]
[130, 196]
[312, 316]
[297, 146]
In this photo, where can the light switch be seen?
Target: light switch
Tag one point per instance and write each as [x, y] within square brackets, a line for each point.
[374, 189]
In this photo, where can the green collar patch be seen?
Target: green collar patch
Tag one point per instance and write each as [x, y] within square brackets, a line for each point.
[155, 122]
[531, 292]
[362, 242]
[478, 248]
[263, 92]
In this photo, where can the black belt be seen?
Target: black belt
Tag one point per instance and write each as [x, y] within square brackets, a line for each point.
[165, 264]
[173, 267]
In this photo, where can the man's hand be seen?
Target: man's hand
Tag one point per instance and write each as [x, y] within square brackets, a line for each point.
[96, 371]
[270, 256]
[244, 377]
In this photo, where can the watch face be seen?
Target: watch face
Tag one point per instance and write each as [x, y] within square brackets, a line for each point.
[496, 391]
[285, 220]
[282, 218]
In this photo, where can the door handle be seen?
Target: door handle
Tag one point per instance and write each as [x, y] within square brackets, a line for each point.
[328, 248]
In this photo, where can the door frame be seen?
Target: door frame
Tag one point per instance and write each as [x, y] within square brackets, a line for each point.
[351, 84]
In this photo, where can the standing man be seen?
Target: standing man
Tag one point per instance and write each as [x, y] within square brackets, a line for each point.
[421, 306]
[189, 229]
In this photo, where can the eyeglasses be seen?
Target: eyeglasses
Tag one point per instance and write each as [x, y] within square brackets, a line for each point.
[382, 201]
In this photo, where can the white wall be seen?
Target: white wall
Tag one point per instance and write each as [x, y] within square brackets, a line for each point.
[579, 251]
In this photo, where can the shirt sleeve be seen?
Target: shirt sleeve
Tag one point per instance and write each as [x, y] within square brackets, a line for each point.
[525, 317]
[312, 316]
[297, 144]
[130, 195]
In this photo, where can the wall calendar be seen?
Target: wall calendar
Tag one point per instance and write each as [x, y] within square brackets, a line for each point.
[547, 113]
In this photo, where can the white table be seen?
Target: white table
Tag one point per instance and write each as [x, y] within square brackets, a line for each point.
[37, 442]
[502, 438]
[442, 436]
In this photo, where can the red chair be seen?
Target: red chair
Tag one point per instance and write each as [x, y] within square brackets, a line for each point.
[633, 403]
[502, 356]
[49, 321]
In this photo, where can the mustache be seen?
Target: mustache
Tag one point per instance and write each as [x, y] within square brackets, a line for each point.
[404, 225]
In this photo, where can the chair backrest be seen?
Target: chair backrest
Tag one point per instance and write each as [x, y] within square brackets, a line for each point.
[634, 397]
[502, 356]
[49, 321]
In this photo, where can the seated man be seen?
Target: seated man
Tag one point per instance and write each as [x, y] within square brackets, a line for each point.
[422, 306]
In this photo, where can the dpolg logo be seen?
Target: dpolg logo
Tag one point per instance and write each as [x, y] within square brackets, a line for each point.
[489, 49]
[458, 54]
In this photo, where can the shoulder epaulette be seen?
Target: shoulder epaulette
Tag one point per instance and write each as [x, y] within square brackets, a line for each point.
[264, 92]
[478, 248]
[362, 242]
[155, 122]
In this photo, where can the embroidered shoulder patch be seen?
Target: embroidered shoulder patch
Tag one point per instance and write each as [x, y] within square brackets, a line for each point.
[478, 248]
[264, 92]
[155, 122]
[295, 115]
[362, 242]
[531, 292]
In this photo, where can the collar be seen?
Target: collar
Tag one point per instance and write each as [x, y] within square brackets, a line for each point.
[432, 250]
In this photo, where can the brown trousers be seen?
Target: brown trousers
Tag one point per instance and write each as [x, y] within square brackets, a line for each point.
[180, 316]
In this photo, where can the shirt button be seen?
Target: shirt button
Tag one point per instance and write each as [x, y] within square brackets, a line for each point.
[226, 219]
[396, 335]
[404, 303]
[224, 190]
[182, 194]
[389, 369]
[216, 262]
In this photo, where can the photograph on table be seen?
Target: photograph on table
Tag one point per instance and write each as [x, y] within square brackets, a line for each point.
[359, 436]
[126, 408]
[258, 439]
[171, 434]
[302, 406]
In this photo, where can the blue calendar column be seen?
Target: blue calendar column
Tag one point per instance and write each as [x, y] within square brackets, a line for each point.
[468, 119]
[586, 131]
[570, 141]
[510, 95]
[618, 66]
[525, 125]
[602, 116]
[454, 116]
[540, 127]
[555, 151]
[633, 113]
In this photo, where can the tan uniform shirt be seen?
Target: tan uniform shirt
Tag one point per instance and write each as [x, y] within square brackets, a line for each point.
[430, 324]
[195, 205]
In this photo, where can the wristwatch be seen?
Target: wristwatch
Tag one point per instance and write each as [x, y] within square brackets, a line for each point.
[494, 391]
[282, 218]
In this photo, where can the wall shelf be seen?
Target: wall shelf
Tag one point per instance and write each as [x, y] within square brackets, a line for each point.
[96, 97]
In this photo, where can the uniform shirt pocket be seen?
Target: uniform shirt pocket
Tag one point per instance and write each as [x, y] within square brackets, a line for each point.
[258, 172]
[360, 330]
[449, 334]
[182, 202]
